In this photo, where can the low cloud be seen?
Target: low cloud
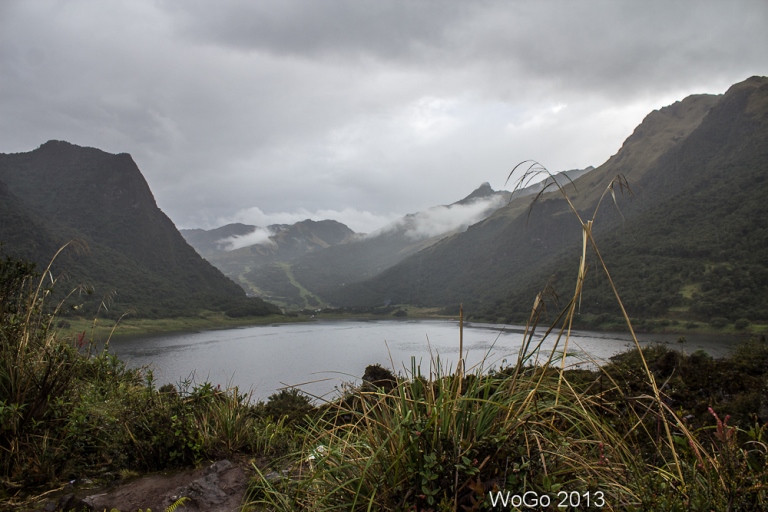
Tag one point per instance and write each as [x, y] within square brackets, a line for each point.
[443, 219]
[435, 221]
[259, 236]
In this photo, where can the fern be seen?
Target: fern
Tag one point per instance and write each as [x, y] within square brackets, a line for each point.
[172, 508]
[176, 504]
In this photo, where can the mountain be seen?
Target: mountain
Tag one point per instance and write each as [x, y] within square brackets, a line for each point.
[132, 256]
[367, 256]
[279, 242]
[562, 178]
[689, 243]
[259, 259]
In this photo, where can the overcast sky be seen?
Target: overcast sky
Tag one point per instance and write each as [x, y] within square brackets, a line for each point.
[362, 111]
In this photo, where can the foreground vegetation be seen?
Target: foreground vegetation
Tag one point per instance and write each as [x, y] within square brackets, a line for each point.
[655, 429]
[68, 413]
[433, 440]
[452, 443]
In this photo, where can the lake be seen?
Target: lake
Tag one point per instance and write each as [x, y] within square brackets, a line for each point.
[321, 356]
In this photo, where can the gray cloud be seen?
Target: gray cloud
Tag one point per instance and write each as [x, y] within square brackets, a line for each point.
[337, 28]
[358, 108]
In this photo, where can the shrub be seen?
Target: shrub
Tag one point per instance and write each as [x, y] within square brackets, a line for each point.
[376, 376]
[718, 322]
[741, 324]
[36, 378]
[288, 404]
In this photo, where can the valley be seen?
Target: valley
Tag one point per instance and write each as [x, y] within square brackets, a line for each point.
[677, 265]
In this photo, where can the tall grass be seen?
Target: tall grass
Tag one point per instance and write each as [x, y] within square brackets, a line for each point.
[449, 441]
[69, 410]
[36, 372]
[442, 443]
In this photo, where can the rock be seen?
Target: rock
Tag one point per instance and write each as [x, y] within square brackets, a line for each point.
[67, 503]
[207, 490]
[219, 487]
[273, 477]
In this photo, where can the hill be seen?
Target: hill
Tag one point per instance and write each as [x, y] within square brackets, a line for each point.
[133, 257]
[689, 244]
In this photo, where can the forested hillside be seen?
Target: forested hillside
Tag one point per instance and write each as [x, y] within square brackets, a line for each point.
[128, 254]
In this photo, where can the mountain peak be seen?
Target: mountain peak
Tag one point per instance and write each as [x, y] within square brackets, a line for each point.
[60, 145]
[54, 142]
[484, 190]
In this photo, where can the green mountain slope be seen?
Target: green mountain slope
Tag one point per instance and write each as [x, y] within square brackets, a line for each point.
[263, 268]
[364, 257]
[134, 258]
[691, 241]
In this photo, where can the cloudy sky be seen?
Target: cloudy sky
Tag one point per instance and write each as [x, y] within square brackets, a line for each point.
[362, 111]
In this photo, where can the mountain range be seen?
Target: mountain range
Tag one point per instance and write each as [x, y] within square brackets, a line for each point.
[685, 236]
[296, 265]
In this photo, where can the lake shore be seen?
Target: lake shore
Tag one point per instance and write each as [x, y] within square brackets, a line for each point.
[102, 329]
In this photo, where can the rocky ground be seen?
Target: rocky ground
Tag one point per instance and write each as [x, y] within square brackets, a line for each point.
[216, 487]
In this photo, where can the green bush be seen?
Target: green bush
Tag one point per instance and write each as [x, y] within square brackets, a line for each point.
[289, 405]
[741, 324]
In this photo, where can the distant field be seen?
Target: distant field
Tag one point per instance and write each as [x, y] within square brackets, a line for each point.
[100, 329]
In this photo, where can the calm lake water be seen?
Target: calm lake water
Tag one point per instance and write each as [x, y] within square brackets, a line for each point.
[320, 357]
